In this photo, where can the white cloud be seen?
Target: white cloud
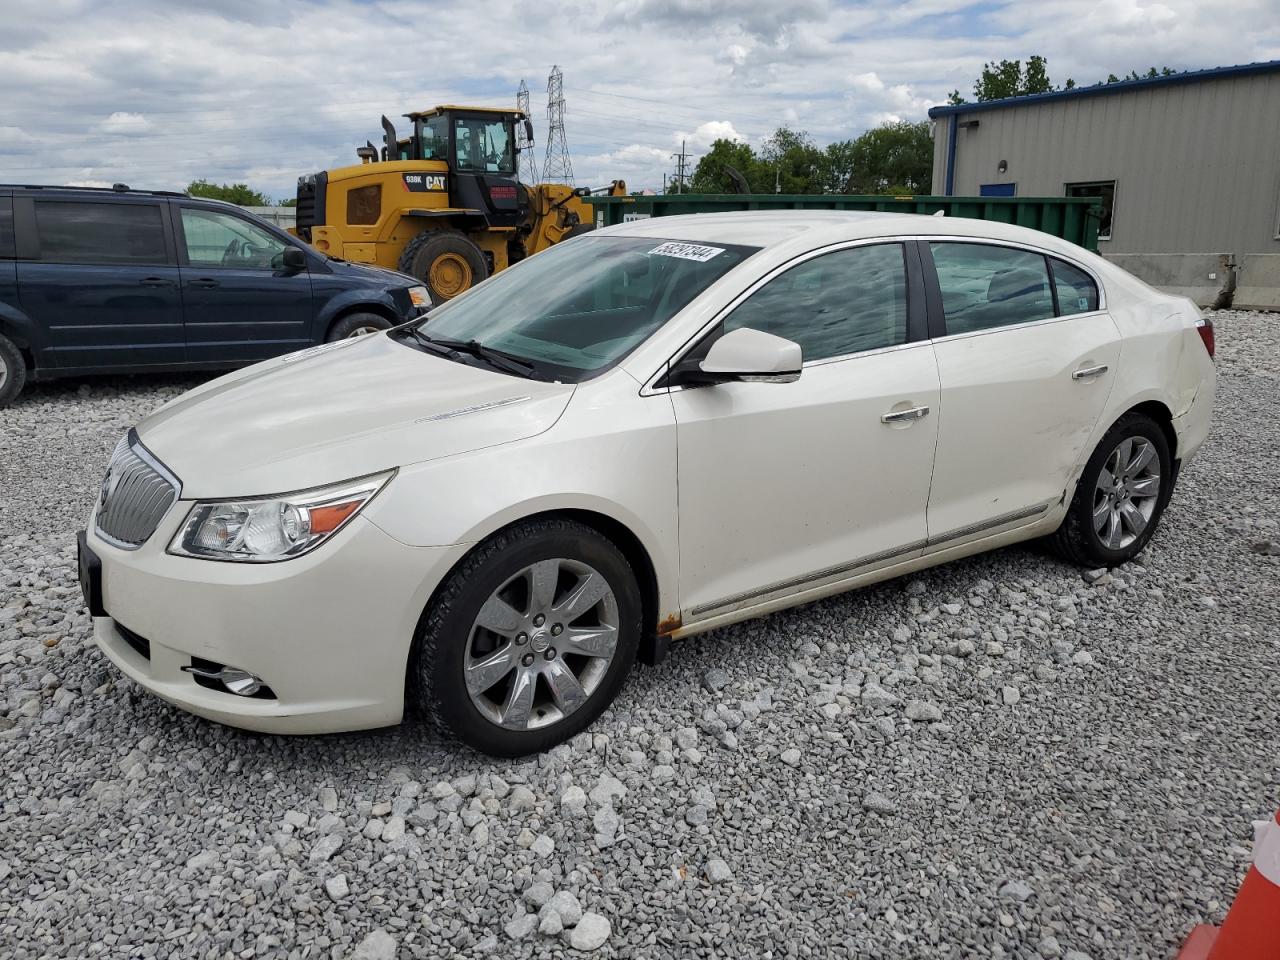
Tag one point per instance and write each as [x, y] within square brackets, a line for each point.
[125, 124]
[157, 94]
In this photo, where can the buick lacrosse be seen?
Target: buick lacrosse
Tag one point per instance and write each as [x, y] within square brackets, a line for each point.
[641, 434]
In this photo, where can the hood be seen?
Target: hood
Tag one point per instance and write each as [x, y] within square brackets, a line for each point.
[379, 276]
[339, 411]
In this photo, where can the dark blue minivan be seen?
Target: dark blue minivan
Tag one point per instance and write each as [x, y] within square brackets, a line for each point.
[129, 281]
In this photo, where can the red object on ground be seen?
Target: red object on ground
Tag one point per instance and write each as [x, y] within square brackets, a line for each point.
[1252, 928]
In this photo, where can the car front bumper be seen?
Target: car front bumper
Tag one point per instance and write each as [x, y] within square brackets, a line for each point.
[329, 632]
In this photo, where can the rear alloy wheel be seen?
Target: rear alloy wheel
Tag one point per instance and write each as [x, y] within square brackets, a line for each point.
[13, 371]
[529, 639]
[1120, 497]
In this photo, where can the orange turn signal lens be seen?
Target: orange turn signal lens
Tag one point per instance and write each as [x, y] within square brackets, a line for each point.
[328, 518]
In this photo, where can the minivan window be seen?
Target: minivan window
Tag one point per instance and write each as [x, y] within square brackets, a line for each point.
[6, 228]
[89, 233]
[1077, 293]
[986, 286]
[222, 240]
[581, 306]
[843, 302]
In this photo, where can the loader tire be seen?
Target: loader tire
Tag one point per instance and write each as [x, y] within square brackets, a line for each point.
[445, 261]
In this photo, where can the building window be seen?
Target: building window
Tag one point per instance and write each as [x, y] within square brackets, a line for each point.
[1106, 189]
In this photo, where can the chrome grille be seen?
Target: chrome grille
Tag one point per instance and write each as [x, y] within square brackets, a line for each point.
[135, 495]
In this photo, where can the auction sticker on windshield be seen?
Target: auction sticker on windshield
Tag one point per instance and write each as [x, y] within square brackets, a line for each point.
[686, 251]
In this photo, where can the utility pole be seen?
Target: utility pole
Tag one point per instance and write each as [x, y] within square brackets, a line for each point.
[681, 159]
[523, 143]
[557, 167]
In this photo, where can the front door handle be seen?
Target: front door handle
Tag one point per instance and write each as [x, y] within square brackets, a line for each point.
[1084, 373]
[898, 416]
[204, 284]
[156, 282]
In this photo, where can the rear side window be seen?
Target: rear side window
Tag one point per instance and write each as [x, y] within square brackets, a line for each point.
[987, 286]
[120, 233]
[1077, 293]
[6, 228]
[833, 305]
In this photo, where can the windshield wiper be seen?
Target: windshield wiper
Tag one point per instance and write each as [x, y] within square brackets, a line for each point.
[474, 348]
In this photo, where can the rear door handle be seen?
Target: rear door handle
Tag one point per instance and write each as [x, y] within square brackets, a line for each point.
[1084, 373]
[898, 416]
[156, 282]
[203, 283]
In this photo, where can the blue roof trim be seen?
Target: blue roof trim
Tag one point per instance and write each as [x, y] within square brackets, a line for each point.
[1103, 89]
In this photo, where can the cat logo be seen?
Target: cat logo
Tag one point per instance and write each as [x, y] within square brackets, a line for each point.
[422, 182]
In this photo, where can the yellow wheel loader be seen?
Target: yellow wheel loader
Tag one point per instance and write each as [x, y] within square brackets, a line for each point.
[444, 204]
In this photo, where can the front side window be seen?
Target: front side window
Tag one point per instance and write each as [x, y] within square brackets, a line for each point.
[1077, 293]
[578, 308]
[1106, 189]
[223, 240]
[987, 286]
[88, 233]
[6, 228]
[836, 304]
[483, 146]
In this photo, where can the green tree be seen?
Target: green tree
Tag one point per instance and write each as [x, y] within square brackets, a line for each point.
[238, 193]
[1009, 78]
[711, 175]
[891, 158]
[792, 163]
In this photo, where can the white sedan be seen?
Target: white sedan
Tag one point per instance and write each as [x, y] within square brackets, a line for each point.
[641, 434]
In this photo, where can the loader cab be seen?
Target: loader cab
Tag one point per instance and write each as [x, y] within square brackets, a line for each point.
[479, 146]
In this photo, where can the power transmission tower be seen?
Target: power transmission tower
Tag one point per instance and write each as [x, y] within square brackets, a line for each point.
[528, 158]
[557, 167]
[681, 160]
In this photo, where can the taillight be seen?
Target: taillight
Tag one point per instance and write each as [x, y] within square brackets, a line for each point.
[1205, 329]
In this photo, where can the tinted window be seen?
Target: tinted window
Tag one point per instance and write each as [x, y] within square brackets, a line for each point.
[1077, 293]
[222, 240]
[1106, 189]
[6, 228]
[836, 304]
[100, 232]
[984, 287]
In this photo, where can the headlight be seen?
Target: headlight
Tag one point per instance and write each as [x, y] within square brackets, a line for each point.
[419, 297]
[268, 529]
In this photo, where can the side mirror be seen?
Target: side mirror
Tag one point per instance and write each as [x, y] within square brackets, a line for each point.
[746, 355]
[293, 259]
[528, 131]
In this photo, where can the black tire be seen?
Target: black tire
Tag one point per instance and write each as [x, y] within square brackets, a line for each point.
[436, 664]
[422, 252]
[1076, 541]
[13, 371]
[357, 324]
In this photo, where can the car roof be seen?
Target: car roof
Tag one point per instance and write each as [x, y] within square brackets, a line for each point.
[119, 190]
[815, 228]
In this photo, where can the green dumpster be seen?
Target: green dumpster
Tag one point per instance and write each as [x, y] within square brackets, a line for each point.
[1071, 218]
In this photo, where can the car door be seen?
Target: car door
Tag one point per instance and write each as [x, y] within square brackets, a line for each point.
[783, 487]
[240, 303]
[100, 278]
[1026, 362]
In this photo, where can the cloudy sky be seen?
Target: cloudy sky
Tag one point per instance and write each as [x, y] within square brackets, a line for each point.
[157, 93]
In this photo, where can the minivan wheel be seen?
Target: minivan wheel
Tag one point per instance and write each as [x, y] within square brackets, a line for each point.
[529, 639]
[13, 371]
[1121, 495]
[357, 325]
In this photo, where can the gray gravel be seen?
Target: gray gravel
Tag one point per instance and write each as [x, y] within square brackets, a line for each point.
[997, 758]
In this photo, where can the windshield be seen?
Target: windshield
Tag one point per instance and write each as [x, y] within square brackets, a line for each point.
[483, 146]
[578, 308]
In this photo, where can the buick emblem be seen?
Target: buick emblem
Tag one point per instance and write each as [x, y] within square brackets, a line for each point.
[108, 487]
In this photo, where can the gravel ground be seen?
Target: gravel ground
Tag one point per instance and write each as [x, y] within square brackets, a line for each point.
[996, 758]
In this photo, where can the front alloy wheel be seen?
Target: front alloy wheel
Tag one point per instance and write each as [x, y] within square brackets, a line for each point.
[529, 638]
[1127, 493]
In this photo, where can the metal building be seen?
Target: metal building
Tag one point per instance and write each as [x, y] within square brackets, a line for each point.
[1188, 167]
